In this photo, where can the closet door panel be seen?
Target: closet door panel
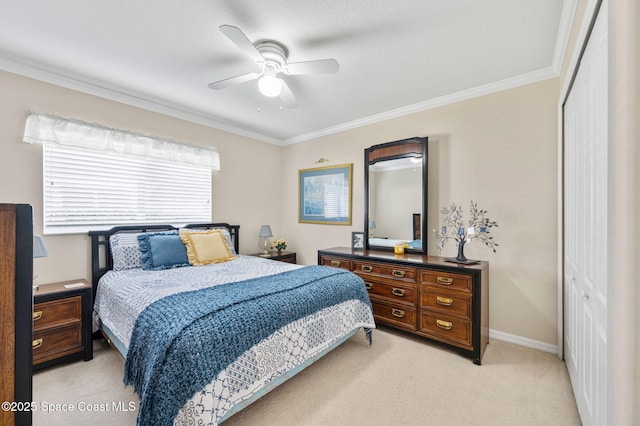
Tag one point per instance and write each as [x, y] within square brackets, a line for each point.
[586, 226]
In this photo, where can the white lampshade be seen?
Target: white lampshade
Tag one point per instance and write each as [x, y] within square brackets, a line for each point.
[39, 249]
[269, 85]
[265, 232]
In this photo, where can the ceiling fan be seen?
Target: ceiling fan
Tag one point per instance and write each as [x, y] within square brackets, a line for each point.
[271, 58]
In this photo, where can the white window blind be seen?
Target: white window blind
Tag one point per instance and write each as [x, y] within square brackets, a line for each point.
[86, 189]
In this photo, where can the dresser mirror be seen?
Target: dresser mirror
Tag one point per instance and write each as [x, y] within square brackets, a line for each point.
[395, 211]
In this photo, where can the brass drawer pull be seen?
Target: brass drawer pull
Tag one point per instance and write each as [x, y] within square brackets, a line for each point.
[444, 324]
[37, 315]
[444, 280]
[398, 313]
[335, 263]
[368, 286]
[398, 273]
[398, 292]
[445, 301]
[35, 344]
[367, 268]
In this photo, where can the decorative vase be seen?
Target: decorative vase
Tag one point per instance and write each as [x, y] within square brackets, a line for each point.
[460, 257]
[279, 252]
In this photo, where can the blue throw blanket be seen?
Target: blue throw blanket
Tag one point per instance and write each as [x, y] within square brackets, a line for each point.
[182, 341]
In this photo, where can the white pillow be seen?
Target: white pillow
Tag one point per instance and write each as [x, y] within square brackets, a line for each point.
[125, 251]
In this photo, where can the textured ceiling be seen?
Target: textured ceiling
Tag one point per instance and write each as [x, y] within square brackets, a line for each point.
[395, 56]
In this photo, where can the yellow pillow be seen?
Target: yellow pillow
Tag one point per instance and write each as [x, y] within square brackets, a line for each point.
[204, 247]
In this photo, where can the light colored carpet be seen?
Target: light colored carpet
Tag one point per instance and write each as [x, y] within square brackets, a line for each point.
[401, 379]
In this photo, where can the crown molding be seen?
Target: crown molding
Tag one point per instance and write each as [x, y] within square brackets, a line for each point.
[117, 94]
[463, 95]
[84, 85]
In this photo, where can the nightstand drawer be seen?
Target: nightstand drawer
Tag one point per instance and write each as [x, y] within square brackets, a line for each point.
[57, 312]
[57, 342]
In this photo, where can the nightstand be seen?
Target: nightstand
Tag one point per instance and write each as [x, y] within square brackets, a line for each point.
[285, 256]
[62, 323]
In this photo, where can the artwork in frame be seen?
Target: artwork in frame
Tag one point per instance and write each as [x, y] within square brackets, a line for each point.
[357, 240]
[324, 195]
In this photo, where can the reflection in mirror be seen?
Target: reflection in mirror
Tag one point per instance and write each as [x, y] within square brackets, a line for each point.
[395, 195]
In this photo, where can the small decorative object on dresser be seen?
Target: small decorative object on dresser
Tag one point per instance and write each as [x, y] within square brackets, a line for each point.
[357, 240]
[477, 227]
[279, 245]
[423, 295]
[62, 323]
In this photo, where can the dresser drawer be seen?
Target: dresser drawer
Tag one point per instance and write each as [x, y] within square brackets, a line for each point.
[57, 342]
[394, 292]
[446, 328]
[397, 315]
[57, 312]
[384, 272]
[446, 280]
[335, 262]
[458, 304]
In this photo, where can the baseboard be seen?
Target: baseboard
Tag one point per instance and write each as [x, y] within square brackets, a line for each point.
[523, 341]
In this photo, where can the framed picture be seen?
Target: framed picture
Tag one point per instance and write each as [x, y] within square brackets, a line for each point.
[325, 195]
[357, 240]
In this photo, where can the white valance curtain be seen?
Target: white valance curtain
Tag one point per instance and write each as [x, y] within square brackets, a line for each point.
[42, 128]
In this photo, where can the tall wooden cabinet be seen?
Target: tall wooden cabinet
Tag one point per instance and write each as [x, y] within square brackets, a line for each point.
[423, 295]
[16, 288]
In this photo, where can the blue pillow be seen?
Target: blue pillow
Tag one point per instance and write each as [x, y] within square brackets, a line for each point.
[162, 250]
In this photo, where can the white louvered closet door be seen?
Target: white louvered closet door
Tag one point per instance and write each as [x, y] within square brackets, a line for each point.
[586, 227]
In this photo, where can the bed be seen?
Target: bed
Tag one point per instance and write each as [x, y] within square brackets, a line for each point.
[202, 342]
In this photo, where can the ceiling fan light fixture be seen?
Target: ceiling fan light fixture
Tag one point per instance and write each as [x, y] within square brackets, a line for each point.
[270, 85]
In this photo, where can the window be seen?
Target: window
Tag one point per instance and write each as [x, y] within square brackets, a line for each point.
[87, 189]
[97, 177]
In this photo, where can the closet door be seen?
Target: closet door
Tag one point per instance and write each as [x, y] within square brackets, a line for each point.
[586, 227]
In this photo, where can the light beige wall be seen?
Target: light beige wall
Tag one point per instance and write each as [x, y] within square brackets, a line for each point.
[245, 191]
[499, 150]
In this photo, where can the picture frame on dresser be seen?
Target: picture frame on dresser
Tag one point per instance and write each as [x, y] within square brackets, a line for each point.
[357, 240]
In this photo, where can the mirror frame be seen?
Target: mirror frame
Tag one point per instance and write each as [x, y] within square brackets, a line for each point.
[405, 148]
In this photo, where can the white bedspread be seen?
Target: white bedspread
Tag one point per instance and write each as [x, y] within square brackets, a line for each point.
[123, 295]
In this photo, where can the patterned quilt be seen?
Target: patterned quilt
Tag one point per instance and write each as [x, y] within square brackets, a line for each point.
[123, 295]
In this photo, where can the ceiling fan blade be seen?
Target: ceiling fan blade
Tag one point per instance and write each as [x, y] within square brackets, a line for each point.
[233, 81]
[287, 97]
[322, 66]
[236, 35]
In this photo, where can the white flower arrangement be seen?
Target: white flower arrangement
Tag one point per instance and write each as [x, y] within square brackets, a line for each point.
[279, 244]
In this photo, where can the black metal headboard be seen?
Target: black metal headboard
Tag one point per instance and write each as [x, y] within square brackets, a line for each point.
[102, 260]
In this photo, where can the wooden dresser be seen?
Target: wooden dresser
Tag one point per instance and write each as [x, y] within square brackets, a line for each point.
[423, 295]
